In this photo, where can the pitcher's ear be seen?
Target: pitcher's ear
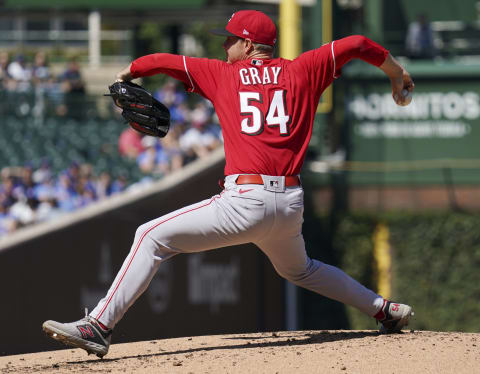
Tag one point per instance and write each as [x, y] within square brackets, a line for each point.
[249, 45]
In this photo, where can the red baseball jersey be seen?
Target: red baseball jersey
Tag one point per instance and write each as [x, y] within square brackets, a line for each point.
[266, 107]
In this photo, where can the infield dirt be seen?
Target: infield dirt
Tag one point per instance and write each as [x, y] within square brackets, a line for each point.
[278, 352]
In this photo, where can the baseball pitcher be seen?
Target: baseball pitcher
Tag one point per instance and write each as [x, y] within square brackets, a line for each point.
[266, 107]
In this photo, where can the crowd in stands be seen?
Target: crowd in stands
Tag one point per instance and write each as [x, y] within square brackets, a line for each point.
[29, 195]
[34, 193]
[18, 75]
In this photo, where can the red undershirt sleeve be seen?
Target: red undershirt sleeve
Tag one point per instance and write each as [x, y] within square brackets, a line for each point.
[197, 74]
[322, 65]
[164, 63]
[357, 46]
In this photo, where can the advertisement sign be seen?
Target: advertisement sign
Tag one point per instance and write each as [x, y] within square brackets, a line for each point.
[439, 130]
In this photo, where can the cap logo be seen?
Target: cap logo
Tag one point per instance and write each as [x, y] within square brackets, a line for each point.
[250, 24]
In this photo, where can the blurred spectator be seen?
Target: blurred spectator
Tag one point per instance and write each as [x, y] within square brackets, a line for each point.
[419, 41]
[130, 143]
[44, 192]
[27, 184]
[171, 148]
[73, 87]
[4, 76]
[118, 184]
[23, 211]
[86, 191]
[47, 209]
[71, 79]
[153, 160]
[43, 173]
[73, 172]
[105, 186]
[174, 99]
[85, 185]
[180, 113]
[40, 70]
[20, 73]
[4, 220]
[10, 224]
[169, 95]
[65, 192]
[9, 191]
[200, 139]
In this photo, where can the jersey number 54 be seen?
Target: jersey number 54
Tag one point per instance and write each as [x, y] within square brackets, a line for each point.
[254, 122]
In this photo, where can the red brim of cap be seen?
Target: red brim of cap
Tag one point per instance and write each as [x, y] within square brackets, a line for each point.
[222, 32]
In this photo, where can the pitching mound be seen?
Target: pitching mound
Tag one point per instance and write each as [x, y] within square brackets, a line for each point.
[282, 352]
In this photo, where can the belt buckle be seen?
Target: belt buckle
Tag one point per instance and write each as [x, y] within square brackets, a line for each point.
[273, 183]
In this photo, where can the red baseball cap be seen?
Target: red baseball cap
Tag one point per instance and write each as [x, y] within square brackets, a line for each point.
[251, 24]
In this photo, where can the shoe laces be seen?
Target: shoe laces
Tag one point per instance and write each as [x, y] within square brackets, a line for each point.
[87, 318]
[93, 321]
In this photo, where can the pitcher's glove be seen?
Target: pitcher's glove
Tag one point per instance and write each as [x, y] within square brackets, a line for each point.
[143, 112]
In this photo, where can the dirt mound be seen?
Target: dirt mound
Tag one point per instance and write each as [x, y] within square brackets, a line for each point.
[281, 352]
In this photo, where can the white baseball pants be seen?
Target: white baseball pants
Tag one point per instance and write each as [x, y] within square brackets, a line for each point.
[240, 214]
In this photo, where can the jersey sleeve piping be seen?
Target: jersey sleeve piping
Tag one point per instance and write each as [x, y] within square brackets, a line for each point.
[188, 74]
[334, 64]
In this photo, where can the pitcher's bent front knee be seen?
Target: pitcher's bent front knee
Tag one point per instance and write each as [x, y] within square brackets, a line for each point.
[154, 245]
[299, 275]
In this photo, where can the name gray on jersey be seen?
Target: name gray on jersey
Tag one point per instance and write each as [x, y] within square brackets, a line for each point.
[252, 75]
